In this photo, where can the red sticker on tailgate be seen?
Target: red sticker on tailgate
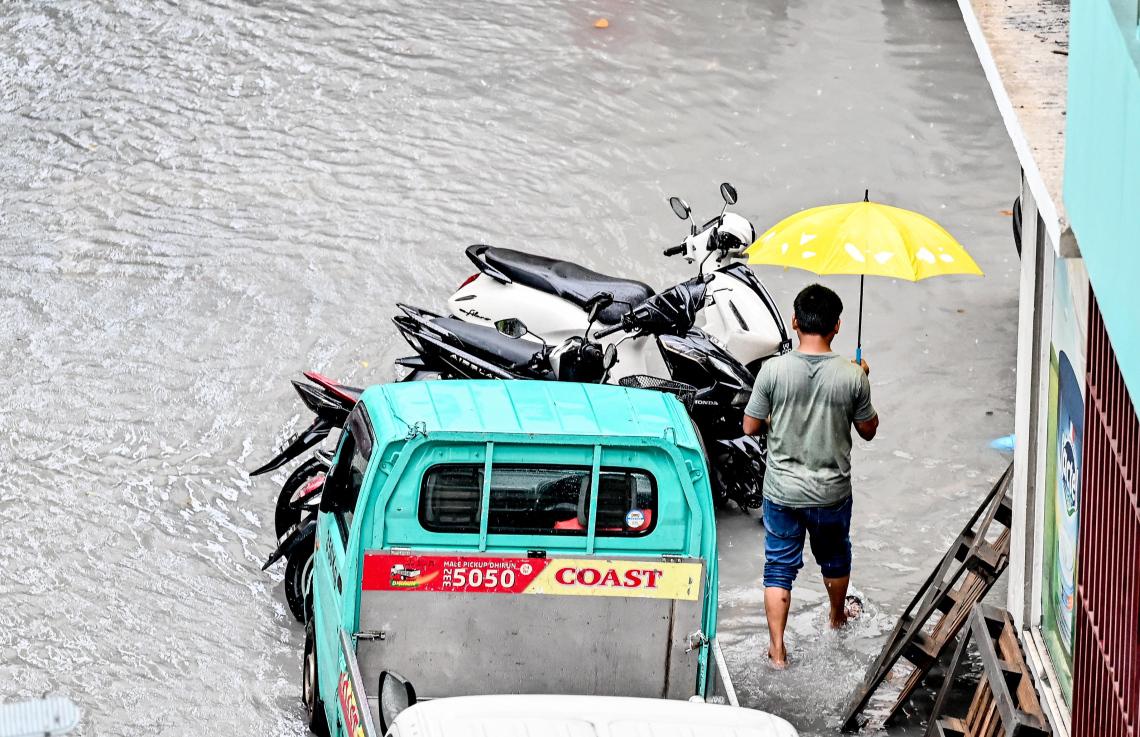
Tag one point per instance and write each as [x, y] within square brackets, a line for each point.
[484, 574]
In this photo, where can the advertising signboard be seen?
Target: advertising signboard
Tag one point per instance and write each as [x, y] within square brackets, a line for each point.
[1063, 465]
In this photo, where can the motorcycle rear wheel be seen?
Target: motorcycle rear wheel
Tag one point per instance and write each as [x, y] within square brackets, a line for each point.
[296, 570]
[285, 515]
[735, 477]
[745, 495]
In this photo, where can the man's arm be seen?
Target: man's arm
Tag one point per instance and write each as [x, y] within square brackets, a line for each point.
[754, 425]
[759, 408]
[868, 426]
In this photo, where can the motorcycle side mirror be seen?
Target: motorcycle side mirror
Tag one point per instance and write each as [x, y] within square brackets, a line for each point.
[680, 207]
[599, 302]
[512, 327]
[728, 192]
[396, 695]
[609, 358]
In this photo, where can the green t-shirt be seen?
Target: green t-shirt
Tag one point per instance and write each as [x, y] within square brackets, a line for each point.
[811, 401]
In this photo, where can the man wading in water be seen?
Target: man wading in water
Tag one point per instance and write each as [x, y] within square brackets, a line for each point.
[807, 401]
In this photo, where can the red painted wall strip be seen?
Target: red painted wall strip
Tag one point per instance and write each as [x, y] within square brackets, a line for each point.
[1106, 668]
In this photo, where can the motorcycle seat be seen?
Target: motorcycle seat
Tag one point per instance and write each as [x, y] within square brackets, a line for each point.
[570, 281]
[515, 352]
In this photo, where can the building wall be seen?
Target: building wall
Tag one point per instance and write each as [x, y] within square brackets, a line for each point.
[1102, 197]
[1102, 165]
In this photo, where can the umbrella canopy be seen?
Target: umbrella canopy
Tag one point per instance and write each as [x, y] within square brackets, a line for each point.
[864, 238]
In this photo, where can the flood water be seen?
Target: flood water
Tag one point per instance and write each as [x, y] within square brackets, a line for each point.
[198, 200]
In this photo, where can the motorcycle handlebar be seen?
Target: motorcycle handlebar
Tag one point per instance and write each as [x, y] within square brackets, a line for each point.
[609, 331]
[674, 250]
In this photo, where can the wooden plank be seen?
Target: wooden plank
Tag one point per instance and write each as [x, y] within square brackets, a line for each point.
[940, 701]
[1004, 516]
[949, 728]
[947, 600]
[979, 707]
[1009, 649]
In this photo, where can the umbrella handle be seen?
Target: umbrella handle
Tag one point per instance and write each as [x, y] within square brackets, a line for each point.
[859, 355]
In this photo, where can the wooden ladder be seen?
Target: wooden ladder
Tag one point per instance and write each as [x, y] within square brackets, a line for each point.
[1005, 702]
[938, 612]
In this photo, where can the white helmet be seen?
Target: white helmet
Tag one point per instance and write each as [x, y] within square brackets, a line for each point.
[734, 233]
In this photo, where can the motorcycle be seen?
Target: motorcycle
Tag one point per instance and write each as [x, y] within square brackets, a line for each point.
[737, 312]
[294, 517]
[448, 348]
[709, 381]
[330, 403]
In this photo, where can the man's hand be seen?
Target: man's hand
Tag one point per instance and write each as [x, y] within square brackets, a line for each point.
[867, 428]
[863, 365]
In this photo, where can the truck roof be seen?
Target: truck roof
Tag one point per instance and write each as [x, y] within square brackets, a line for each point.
[526, 407]
[585, 716]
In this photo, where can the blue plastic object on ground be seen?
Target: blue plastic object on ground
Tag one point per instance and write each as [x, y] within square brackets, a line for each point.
[1004, 444]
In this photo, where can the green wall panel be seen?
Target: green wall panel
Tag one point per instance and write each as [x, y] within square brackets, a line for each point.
[1102, 166]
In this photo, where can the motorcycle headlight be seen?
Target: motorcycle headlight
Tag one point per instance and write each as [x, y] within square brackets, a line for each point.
[681, 347]
[741, 398]
[727, 371]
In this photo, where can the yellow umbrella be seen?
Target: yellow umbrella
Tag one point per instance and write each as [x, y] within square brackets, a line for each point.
[864, 238]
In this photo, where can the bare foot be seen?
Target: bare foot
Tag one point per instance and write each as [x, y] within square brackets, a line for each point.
[779, 662]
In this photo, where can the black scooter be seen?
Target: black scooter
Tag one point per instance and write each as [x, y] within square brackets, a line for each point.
[295, 515]
[712, 385]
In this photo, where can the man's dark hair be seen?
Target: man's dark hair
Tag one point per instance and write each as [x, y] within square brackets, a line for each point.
[817, 309]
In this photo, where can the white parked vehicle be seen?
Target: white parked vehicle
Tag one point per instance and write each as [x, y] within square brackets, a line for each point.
[553, 297]
[582, 716]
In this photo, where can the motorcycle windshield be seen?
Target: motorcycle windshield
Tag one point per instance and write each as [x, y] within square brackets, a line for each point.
[673, 311]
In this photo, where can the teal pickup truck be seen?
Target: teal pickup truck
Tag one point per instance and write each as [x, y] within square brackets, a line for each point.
[461, 545]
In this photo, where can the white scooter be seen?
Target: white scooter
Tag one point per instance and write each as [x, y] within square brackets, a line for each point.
[553, 297]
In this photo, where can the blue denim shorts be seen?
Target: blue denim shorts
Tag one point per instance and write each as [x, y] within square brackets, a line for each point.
[829, 529]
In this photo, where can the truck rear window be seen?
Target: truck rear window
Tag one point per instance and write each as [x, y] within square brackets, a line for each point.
[544, 500]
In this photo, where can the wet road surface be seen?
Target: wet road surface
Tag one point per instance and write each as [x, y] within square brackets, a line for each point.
[198, 201]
